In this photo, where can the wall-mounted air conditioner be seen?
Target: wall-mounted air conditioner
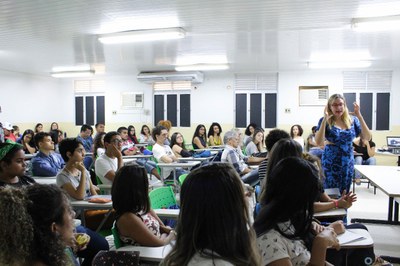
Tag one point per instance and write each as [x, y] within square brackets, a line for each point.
[195, 77]
[313, 95]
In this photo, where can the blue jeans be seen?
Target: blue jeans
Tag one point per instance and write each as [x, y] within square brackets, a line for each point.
[251, 178]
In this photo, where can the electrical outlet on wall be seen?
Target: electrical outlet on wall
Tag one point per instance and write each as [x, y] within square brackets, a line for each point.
[114, 112]
[287, 110]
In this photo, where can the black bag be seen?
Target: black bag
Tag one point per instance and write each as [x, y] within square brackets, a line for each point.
[115, 258]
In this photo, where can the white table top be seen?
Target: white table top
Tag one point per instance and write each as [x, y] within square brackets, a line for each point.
[45, 180]
[386, 178]
[200, 159]
[168, 213]
[137, 156]
[84, 204]
[149, 253]
[367, 240]
[178, 164]
[340, 212]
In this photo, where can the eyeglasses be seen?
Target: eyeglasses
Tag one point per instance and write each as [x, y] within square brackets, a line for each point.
[116, 141]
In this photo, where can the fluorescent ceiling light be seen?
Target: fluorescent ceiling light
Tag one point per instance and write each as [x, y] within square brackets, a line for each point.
[202, 67]
[341, 55]
[339, 64]
[142, 35]
[376, 23]
[73, 74]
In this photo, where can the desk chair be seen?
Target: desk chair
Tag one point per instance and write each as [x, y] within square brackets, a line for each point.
[117, 240]
[182, 178]
[162, 198]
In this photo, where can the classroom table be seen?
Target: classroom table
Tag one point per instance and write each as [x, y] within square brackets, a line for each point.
[387, 179]
[173, 166]
[45, 180]
[29, 156]
[386, 153]
[167, 213]
[333, 213]
[82, 205]
[365, 240]
[155, 254]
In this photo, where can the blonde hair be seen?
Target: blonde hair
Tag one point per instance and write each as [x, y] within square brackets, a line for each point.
[346, 118]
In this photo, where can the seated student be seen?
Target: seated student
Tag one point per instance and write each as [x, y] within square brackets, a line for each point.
[168, 125]
[163, 153]
[107, 164]
[248, 133]
[54, 126]
[13, 166]
[128, 148]
[136, 221]
[367, 150]
[286, 233]
[38, 128]
[100, 128]
[132, 134]
[40, 231]
[178, 146]
[16, 132]
[256, 145]
[98, 145]
[296, 133]
[56, 136]
[85, 136]
[145, 135]
[27, 141]
[198, 242]
[232, 156]
[273, 136]
[214, 135]
[12, 169]
[8, 132]
[46, 162]
[324, 202]
[311, 145]
[74, 178]
[199, 140]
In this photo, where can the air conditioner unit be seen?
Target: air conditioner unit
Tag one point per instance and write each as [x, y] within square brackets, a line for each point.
[195, 77]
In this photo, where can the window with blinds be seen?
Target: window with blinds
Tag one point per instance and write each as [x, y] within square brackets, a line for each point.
[89, 102]
[371, 89]
[256, 99]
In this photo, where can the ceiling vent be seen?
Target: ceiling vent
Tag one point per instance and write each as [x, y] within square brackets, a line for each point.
[195, 77]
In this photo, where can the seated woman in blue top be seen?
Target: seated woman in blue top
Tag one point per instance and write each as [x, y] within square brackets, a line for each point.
[199, 140]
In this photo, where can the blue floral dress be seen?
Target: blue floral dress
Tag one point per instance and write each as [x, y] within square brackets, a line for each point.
[338, 158]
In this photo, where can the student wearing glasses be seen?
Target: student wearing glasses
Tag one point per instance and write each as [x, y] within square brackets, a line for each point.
[108, 163]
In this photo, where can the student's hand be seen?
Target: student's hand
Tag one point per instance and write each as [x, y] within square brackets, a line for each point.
[338, 227]
[165, 229]
[115, 151]
[80, 166]
[346, 200]
[327, 238]
[316, 228]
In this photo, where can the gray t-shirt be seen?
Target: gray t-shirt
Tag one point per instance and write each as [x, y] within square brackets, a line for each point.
[64, 177]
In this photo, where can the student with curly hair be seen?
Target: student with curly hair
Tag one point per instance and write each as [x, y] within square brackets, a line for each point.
[36, 226]
[201, 243]
[214, 135]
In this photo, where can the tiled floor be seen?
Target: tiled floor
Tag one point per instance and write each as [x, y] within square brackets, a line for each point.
[370, 206]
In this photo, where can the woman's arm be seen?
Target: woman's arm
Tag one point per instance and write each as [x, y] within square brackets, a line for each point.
[31, 149]
[132, 226]
[370, 150]
[197, 141]
[177, 149]
[79, 192]
[364, 127]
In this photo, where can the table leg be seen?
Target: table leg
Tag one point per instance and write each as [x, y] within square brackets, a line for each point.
[103, 221]
[396, 211]
[390, 213]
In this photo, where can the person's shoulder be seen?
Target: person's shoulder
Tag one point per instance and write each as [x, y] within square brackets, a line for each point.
[201, 260]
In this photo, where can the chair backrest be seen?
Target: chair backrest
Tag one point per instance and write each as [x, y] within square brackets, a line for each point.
[117, 240]
[114, 258]
[182, 178]
[162, 198]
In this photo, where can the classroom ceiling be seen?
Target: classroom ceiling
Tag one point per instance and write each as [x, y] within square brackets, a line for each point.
[251, 36]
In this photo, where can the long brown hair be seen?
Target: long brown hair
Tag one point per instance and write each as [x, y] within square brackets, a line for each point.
[210, 196]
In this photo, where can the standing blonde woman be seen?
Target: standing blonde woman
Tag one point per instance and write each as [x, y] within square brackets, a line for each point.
[336, 130]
